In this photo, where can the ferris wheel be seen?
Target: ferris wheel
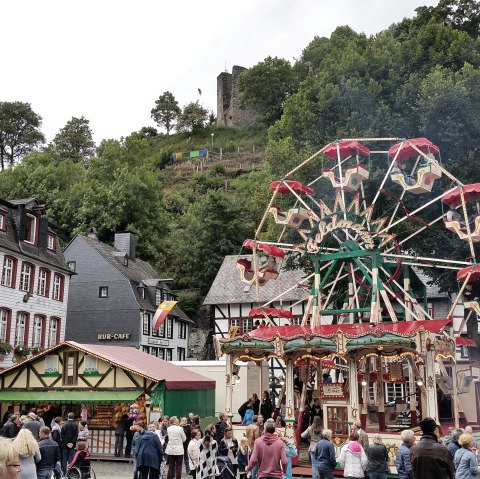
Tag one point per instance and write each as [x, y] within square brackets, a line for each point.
[353, 214]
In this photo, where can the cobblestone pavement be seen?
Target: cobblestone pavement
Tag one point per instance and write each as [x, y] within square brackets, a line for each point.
[116, 470]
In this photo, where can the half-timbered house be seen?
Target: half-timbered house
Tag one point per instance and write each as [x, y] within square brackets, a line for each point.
[100, 383]
[34, 281]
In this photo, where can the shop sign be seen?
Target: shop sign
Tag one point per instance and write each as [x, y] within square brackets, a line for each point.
[333, 390]
[107, 336]
[158, 342]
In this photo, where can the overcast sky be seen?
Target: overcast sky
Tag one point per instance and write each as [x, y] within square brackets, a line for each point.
[109, 60]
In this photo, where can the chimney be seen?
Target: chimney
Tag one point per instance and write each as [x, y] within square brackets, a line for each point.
[126, 243]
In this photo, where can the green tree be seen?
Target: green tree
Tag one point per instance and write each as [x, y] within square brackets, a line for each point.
[192, 118]
[74, 141]
[166, 111]
[266, 86]
[19, 131]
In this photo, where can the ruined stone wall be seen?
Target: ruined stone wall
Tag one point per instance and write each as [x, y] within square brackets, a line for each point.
[229, 112]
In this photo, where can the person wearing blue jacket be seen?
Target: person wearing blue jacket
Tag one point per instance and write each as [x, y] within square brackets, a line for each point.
[402, 459]
[325, 456]
[465, 461]
[149, 455]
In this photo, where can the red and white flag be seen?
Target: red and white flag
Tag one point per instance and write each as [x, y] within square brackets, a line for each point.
[162, 312]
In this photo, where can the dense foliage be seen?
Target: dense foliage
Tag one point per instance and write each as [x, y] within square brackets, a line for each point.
[419, 77]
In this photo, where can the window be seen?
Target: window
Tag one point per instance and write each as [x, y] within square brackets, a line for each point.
[70, 368]
[146, 324]
[38, 331]
[5, 315]
[161, 353]
[27, 274]
[297, 321]
[146, 349]
[158, 296]
[51, 363]
[21, 328]
[3, 221]
[125, 260]
[169, 322]
[31, 229]
[103, 292]
[247, 325]
[168, 354]
[153, 351]
[180, 354]
[72, 265]
[9, 271]
[430, 310]
[43, 284]
[52, 242]
[182, 330]
[54, 332]
[394, 391]
[141, 292]
[58, 282]
[90, 362]
[161, 331]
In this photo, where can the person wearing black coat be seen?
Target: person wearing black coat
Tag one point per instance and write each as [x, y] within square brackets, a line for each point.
[256, 404]
[49, 452]
[377, 459]
[10, 429]
[266, 408]
[69, 440]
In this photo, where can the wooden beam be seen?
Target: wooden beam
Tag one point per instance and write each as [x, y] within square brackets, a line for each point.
[37, 375]
[19, 372]
[134, 381]
[104, 376]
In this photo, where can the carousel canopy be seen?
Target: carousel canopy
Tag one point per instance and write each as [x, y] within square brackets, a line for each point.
[470, 193]
[354, 330]
[276, 313]
[292, 185]
[270, 249]
[407, 151]
[346, 148]
[464, 272]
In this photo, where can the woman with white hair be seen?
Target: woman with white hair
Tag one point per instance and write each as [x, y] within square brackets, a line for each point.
[9, 460]
[377, 459]
[27, 447]
[402, 460]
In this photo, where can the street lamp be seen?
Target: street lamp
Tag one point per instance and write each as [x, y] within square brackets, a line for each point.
[212, 135]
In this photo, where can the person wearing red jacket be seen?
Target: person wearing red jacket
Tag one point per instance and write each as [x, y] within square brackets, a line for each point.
[269, 454]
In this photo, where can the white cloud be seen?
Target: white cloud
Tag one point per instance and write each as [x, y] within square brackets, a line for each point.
[109, 60]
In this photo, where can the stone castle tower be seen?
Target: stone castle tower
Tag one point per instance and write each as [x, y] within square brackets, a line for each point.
[229, 112]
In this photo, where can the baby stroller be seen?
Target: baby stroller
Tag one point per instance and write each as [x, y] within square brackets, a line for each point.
[225, 468]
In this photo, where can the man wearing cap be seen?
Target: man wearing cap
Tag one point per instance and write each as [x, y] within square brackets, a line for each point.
[429, 458]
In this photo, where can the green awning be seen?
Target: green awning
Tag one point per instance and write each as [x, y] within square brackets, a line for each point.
[69, 397]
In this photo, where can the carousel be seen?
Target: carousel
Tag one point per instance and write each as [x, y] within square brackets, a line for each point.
[351, 216]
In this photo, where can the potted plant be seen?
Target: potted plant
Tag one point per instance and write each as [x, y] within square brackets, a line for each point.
[51, 372]
[21, 351]
[91, 372]
[5, 348]
[37, 350]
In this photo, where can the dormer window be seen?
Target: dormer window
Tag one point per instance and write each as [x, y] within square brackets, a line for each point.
[3, 221]
[158, 296]
[141, 292]
[30, 229]
[52, 242]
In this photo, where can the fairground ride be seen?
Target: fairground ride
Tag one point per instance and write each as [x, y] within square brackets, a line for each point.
[352, 215]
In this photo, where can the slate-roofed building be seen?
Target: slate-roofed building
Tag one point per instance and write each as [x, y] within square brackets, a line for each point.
[114, 296]
[34, 280]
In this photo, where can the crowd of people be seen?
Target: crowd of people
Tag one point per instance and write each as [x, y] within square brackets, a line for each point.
[32, 450]
[34, 446]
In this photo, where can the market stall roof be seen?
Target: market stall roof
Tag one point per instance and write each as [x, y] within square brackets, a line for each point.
[354, 330]
[462, 275]
[136, 362]
[146, 365]
[70, 397]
